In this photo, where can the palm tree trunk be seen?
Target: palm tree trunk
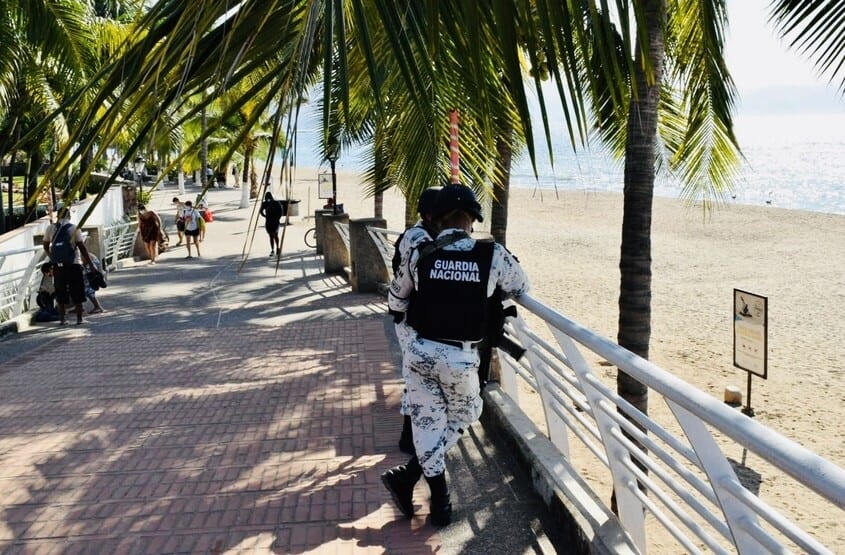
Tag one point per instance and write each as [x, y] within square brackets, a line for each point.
[247, 166]
[378, 205]
[635, 263]
[31, 187]
[499, 209]
[634, 331]
[204, 150]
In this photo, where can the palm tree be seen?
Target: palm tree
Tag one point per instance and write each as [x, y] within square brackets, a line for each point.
[408, 52]
[418, 60]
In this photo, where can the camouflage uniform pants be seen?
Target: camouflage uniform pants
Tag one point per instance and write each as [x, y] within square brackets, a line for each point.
[404, 334]
[443, 397]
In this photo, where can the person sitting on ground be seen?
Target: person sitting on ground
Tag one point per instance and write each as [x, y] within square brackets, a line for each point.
[64, 244]
[271, 210]
[46, 298]
[180, 218]
[149, 226]
[192, 227]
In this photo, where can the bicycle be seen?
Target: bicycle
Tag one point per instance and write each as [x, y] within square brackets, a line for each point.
[311, 238]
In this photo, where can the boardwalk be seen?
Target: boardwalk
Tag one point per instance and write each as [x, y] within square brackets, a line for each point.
[223, 409]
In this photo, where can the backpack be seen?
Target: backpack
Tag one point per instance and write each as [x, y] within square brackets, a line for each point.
[62, 248]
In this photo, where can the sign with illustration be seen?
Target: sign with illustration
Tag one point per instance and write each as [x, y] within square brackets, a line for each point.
[324, 185]
[751, 332]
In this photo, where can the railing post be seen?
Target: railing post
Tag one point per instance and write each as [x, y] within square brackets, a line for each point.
[368, 269]
[96, 241]
[556, 426]
[624, 481]
[23, 287]
[320, 226]
[719, 472]
[335, 253]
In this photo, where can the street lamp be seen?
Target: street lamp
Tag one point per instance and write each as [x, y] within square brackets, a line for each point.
[138, 167]
[332, 154]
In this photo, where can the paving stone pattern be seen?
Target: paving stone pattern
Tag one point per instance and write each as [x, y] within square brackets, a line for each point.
[226, 408]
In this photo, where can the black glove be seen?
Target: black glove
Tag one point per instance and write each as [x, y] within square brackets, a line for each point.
[397, 316]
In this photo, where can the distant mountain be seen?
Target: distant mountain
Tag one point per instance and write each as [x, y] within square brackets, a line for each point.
[791, 100]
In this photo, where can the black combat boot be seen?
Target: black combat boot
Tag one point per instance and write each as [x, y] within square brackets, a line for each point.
[441, 507]
[400, 481]
[406, 440]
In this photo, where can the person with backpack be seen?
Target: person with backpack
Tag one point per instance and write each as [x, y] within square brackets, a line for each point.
[418, 233]
[64, 244]
[444, 288]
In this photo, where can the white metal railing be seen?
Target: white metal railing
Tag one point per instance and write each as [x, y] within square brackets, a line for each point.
[384, 240]
[18, 285]
[118, 241]
[20, 278]
[690, 486]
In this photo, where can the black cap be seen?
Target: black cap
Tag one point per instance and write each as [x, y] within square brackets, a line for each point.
[457, 197]
[428, 198]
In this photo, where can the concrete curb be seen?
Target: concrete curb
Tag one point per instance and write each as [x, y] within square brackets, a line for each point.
[589, 526]
[18, 324]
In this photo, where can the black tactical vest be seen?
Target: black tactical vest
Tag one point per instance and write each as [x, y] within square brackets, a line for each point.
[451, 297]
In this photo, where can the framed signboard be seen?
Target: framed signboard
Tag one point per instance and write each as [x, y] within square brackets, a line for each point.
[751, 321]
[324, 185]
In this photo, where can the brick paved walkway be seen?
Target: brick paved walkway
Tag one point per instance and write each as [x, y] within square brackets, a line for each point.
[212, 410]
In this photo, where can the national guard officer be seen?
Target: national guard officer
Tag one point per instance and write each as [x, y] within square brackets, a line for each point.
[418, 233]
[451, 279]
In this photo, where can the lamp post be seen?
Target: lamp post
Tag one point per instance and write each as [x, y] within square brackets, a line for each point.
[138, 167]
[332, 154]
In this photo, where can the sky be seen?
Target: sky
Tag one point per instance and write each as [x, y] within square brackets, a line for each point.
[756, 58]
[769, 76]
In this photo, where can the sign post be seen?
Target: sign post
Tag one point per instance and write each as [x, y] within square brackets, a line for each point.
[751, 321]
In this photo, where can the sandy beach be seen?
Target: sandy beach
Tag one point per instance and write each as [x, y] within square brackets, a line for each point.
[569, 245]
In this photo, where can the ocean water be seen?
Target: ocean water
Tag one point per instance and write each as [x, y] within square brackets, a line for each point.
[791, 161]
[794, 162]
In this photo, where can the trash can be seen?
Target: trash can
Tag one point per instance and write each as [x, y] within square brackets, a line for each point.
[290, 205]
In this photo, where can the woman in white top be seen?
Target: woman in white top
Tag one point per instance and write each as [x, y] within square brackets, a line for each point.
[192, 227]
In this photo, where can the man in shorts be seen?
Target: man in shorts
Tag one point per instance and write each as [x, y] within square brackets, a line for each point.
[67, 271]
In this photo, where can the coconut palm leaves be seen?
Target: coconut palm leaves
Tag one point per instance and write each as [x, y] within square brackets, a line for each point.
[418, 61]
[815, 28]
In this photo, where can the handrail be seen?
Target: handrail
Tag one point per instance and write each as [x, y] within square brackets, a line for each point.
[381, 238]
[118, 241]
[343, 231]
[17, 285]
[695, 489]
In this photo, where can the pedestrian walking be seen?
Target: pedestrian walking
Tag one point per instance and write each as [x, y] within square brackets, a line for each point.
[150, 229]
[192, 227]
[420, 232]
[205, 215]
[180, 218]
[271, 211]
[64, 244]
[444, 289]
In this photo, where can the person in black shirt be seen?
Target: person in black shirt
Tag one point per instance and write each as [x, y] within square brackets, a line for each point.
[271, 210]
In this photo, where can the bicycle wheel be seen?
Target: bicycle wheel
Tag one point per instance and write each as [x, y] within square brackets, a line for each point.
[311, 238]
